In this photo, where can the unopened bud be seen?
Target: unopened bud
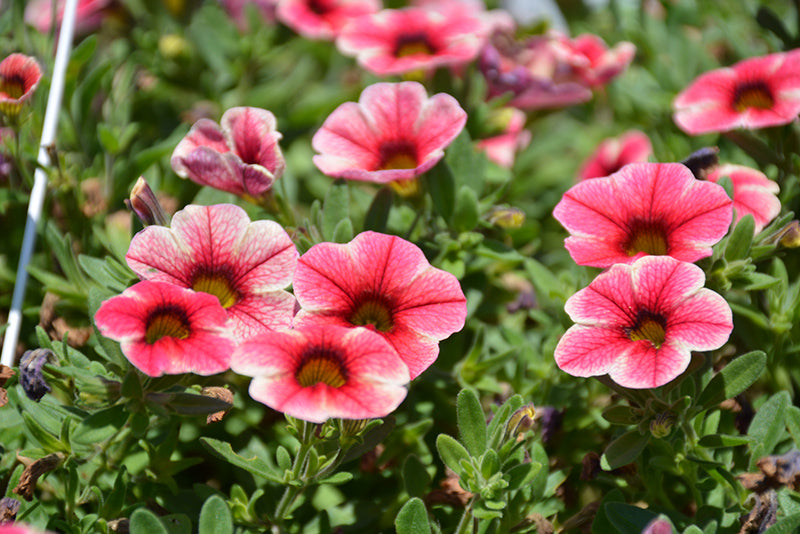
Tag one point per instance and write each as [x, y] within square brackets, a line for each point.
[353, 427]
[790, 235]
[661, 425]
[702, 161]
[223, 394]
[521, 420]
[145, 205]
[506, 217]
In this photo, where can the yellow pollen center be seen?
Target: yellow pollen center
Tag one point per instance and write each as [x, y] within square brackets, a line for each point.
[217, 285]
[373, 313]
[321, 368]
[648, 327]
[400, 160]
[648, 238]
[410, 48]
[405, 188]
[754, 95]
[166, 323]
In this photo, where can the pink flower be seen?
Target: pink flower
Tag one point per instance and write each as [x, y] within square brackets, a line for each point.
[323, 19]
[19, 77]
[753, 193]
[639, 323]
[241, 157]
[217, 250]
[590, 58]
[166, 329]
[616, 152]
[502, 148]
[325, 371]
[397, 41]
[754, 93]
[394, 132]
[658, 525]
[644, 209]
[89, 14]
[237, 10]
[385, 283]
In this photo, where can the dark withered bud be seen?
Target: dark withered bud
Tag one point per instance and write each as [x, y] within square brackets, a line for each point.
[790, 235]
[30, 372]
[8, 510]
[145, 205]
[6, 372]
[223, 394]
[702, 161]
[31, 474]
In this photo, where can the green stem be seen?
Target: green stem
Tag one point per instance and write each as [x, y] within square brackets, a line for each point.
[466, 519]
[292, 492]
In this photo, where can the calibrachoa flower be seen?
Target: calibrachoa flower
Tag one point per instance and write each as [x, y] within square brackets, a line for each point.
[590, 58]
[502, 148]
[19, 77]
[639, 323]
[89, 14]
[397, 41]
[237, 10]
[324, 371]
[394, 132]
[241, 157]
[385, 283]
[217, 250]
[754, 93]
[166, 329]
[323, 19]
[644, 209]
[614, 153]
[753, 193]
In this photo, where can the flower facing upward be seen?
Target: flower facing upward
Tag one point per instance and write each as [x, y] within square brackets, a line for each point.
[644, 209]
[614, 153]
[217, 250]
[323, 371]
[398, 41]
[323, 19]
[241, 157]
[166, 329]
[394, 132]
[753, 193]
[754, 93]
[19, 77]
[639, 323]
[385, 283]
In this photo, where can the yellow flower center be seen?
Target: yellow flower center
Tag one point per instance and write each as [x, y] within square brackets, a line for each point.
[217, 284]
[411, 45]
[400, 160]
[405, 188]
[647, 237]
[373, 312]
[166, 322]
[12, 86]
[753, 95]
[649, 327]
[321, 366]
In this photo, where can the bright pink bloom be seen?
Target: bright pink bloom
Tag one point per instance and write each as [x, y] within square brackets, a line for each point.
[237, 10]
[397, 41]
[89, 14]
[324, 371]
[217, 250]
[19, 77]
[754, 93]
[241, 157]
[658, 525]
[502, 148]
[753, 193]
[614, 153]
[590, 58]
[493, 20]
[394, 132]
[644, 209]
[385, 283]
[323, 19]
[639, 323]
[166, 329]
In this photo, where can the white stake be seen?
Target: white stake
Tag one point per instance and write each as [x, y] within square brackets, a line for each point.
[40, 181]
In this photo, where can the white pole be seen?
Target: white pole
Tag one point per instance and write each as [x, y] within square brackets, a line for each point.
[40, 181]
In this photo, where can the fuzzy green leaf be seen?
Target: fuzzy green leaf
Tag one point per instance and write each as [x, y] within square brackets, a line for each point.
[413, 518]
[471, 422]
[740, 240]
[215, 517]
[143, 521]
[335, 209]
[734, 378]
[452, 452]
[100, 425]
[254, 465]
[623, 450]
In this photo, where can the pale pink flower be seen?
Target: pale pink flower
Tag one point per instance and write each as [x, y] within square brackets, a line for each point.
[639, 323]
[755, 93]
[502, 148]
[217, 250]
[644, 209]
[19, 77]
[241, 155]
[324, 371]
[394, 132]
[658, 526]
[323, 19]
[753, 193]
[615, 152]
[592, 61]
[89, 14]
[385, 283]
[166, 329]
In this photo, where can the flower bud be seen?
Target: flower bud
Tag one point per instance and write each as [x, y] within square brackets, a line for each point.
[790, 235]
[520, 421]
[145, 205]
[507, 217]
[661, 425]
[702, 162]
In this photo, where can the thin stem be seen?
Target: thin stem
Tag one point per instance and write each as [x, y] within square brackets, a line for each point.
[464, 523]
[292, 492]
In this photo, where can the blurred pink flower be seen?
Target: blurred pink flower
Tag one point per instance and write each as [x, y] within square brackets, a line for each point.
[241, 157]
[502, 148]
[89, 14]
[644, 209]
[237, 10]
[753, 193]
[324, 371]
[754, 93]
[166, 329]
[615, 152]
[639, 323]
[492, 20]
[398, 41]
[19, 77]
[385, 283]
[394, 132]
[217, 250]
[590, 58]
[323, 19]
[658, 525]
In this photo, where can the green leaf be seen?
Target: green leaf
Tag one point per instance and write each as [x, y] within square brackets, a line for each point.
[452, 452]
[441, 186]
[343, 232]
[215, 517]
[413, 518]
[335, 209]
[622, 415]
[740, 240]
[415, 477]
[718, 441]
[338, 478]
[108, 139]
[466, 211]
[48, 441]
[734, 378]
[490, 464]
[100, 425]
[768, 426]
[283, 458]
[471, 422]
[143, 521]
[626, 518]
[623, 450]
[466, 164]
[378, 213]
[793, 423]
[188, 403]
[786, 525]
[254, 465]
